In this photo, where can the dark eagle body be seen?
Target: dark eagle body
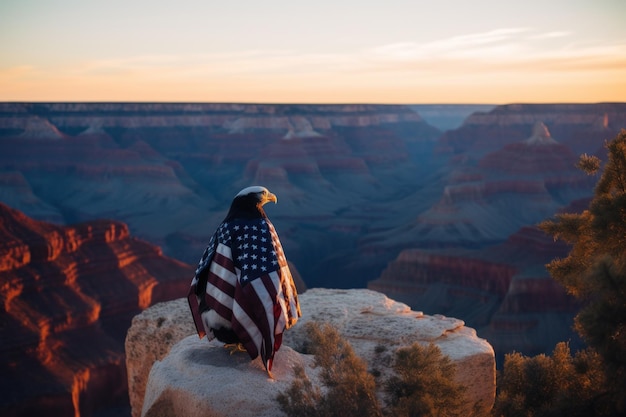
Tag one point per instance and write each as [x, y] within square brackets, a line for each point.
[243, 291]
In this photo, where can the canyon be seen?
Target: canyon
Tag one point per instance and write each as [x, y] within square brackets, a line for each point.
[68, 295]
[369, 196]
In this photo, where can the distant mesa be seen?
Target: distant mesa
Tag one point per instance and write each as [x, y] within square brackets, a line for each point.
[94, 129]
[541, 135]
[38, 128]
[538, 154]
[579, 126]
[300, 127]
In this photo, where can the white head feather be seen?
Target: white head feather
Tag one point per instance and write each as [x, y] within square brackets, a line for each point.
[250, 190]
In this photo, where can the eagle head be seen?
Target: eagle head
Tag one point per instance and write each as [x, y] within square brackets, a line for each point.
[249, 202]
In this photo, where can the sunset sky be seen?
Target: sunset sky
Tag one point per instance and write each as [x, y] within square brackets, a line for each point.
[322, 51]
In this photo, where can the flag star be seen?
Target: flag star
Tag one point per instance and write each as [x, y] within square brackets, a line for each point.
[264, 259]
[263, 249]
[239, 238]
[254, 266]
[245, 236]
[263, 239]
[255, 228]
[263, 268]
[254, 247]
[245, 227]
[254, 257]
[245, 246]
[245, 266]
[236, 227]
[254, 237]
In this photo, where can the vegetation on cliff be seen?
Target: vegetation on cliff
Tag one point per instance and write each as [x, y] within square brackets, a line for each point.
[593, 382]
[423, 384]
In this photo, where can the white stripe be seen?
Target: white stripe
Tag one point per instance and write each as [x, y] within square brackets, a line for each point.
[225, 275]
[266, 300]
[249, 325]
[226, 252]
[280, 297]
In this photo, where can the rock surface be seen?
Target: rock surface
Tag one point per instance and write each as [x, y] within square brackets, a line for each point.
[198, 378]
[149, 339]
[181, 380]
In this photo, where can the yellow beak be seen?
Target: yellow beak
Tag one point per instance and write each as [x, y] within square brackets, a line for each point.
[267, 197]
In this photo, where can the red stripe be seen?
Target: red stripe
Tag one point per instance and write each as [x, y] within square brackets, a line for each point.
[273, 292]
[269, 286]
[276, 312]
[193, 305]
[224, 261]
[217, 280]
[221, 309]
[245, 339]
[250, 302]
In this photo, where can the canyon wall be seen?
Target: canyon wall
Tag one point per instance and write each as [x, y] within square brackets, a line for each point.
[143, 163]
[68, 295]
[366, 193]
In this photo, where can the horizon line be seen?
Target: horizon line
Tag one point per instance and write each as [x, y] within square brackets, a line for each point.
[312, 103]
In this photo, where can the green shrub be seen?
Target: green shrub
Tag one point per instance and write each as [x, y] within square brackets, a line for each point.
[351, 390]
[424, 384]
[557, 385]
[595, 269]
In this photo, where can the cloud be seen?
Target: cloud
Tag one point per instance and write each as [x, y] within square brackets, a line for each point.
[550, 35]
[503, 57]
[454, 46]
[125, 65]
[498, 50]
[504, 49]
[19, 71]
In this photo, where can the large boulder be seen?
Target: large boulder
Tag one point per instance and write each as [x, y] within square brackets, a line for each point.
[149, 339]
[376, 326]
[200, 378]
[196, 377]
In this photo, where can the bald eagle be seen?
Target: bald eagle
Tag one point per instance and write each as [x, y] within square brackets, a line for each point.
[242, 292]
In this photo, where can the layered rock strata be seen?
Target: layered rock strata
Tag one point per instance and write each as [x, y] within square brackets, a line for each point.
[141, 163]
[68, 295]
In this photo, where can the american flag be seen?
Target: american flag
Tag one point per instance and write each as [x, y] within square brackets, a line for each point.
[248, 284]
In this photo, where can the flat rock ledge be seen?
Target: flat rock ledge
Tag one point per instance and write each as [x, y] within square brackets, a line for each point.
[171, 372]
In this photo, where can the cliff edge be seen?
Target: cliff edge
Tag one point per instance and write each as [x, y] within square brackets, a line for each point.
[172, 372]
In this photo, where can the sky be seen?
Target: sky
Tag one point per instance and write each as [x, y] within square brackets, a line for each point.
[322, 51]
